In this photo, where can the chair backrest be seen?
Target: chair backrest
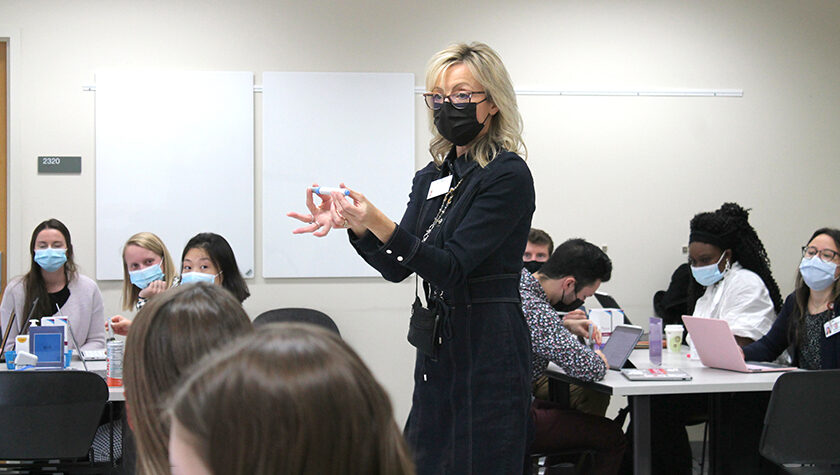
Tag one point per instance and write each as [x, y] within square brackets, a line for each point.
[49, 414]
[302, 315]
[802, 423]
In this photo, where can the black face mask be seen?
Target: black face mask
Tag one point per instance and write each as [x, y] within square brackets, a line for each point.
[458, 126]
[567, 307]
[532, 266]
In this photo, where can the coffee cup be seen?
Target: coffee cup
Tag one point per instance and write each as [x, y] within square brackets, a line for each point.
[674, 335]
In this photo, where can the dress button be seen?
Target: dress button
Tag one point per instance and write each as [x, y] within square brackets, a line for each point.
[388, 251]
[399, 258]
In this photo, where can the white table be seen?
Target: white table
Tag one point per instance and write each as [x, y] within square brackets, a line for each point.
[705, 380]
[114, 393]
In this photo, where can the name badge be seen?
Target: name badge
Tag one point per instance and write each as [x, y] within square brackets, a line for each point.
[439, 187]
[832, 327]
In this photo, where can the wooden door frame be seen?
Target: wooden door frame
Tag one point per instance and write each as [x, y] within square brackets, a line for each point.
[4, 156]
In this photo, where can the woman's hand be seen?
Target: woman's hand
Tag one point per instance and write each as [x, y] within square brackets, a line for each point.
[319, 221]
[153, 289]
[360, 215]
[119, 324]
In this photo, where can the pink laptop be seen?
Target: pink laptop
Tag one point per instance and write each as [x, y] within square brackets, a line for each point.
[718, 349]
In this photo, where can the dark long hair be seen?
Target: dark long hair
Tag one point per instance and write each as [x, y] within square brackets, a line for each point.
[222, 256]
[731, 222]
[33, 281]
[803, 292]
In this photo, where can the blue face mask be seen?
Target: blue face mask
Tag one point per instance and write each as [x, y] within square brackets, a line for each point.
[143, 277]
[51, 259]
[817, 274]
[710, 274]
[192, 277]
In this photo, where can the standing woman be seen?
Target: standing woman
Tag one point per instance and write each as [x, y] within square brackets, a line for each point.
[464, 233]
[816, 301]
[54, 287]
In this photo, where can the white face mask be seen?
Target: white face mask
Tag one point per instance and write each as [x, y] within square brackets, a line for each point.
[193, 277]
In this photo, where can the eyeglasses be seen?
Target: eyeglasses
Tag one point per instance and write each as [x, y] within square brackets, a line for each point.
[826, 255]
[459, 100]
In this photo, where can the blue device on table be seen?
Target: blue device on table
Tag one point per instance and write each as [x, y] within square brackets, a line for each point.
[47, 343]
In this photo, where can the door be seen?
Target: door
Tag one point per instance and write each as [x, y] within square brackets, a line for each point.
[4, 109]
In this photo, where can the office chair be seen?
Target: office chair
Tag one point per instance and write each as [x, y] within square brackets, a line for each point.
[301, 315]
[802, 423]
[49, 418]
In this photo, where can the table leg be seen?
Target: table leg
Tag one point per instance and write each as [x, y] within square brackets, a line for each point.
[641, 434]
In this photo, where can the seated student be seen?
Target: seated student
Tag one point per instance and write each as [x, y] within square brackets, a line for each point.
[573, 272]
[537, 250]
[54, 287]
[148, 270]
[290, 398]
[209, 258]
[170, 333]
[816, 300]
[731, 270]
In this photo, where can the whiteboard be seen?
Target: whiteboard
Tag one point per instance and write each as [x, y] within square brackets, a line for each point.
[174, 156]
[327, 128]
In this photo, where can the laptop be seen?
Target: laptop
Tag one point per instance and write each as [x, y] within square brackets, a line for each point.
[621, 343]
[718, 349]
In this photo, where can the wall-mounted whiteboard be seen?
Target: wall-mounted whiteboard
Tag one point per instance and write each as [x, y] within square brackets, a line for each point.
[327, 128]
[174, 156]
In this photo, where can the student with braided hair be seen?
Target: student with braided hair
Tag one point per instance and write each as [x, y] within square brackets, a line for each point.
[731, 280]
[732, 272]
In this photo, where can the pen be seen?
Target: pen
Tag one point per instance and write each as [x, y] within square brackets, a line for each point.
[591, 332]
[323, 190]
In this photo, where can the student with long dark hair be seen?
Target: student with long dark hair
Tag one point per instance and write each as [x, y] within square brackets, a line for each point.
[53, 286]
[731, 280]
[731, 273]
[800, 327]
[209, 258]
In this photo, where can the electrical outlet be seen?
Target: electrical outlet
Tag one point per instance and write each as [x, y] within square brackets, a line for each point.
[685, 249]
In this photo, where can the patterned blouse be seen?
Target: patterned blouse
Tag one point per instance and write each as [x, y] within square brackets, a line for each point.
[810, 356]
[550, 340]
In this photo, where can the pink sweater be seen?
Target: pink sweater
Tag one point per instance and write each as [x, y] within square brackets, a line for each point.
[84, 308]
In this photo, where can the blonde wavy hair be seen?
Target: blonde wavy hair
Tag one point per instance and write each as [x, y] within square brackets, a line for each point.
[486, 66]
[153, 243]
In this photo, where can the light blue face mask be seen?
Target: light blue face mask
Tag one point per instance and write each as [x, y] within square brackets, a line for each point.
[193, 277]
[50, 259]
[143, 277]
[817, 274]
[710, 274]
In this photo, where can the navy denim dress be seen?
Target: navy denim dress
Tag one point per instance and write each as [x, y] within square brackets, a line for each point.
[470, 406]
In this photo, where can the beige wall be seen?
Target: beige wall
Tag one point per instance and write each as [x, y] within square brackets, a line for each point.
[624, 172]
